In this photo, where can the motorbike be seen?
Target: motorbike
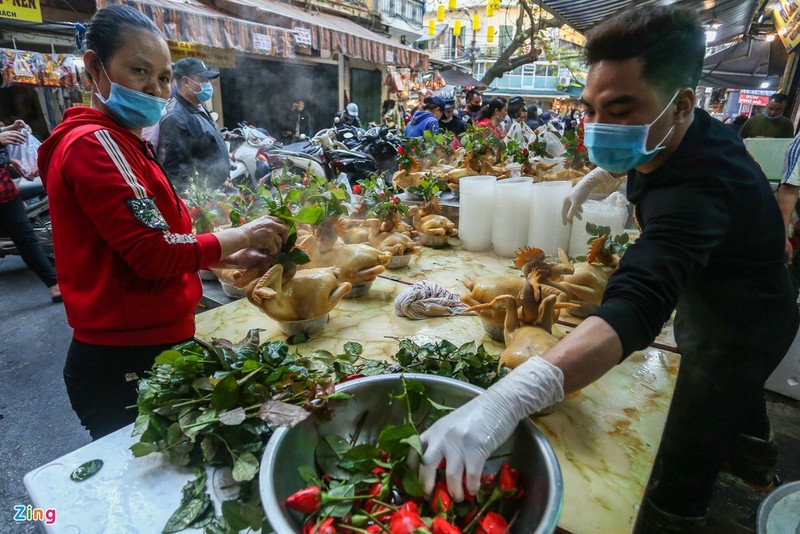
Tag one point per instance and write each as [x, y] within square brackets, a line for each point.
[247, 146]
[34, 197]
[359, 156]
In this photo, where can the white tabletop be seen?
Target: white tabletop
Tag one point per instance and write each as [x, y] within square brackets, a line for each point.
[127, 495]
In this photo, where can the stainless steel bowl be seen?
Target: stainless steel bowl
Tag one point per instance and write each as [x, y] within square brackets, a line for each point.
[288, 449]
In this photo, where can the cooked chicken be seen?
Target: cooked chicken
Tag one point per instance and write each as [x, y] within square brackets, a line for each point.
[358, 263]
[311, 293]
[485, 289]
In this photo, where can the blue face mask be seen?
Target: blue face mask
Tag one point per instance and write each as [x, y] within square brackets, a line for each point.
[621, 147]
[205, 93]
[776, 117]
[133, 109]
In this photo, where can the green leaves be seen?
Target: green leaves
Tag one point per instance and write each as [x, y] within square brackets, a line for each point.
[196, 509]
[86, 470]
[245, 468]
[278, 413]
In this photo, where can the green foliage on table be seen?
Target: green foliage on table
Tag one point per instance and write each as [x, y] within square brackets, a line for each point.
[216, 404]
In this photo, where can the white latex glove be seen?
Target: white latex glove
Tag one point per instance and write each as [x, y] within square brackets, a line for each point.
[466, 437]
[573, 202]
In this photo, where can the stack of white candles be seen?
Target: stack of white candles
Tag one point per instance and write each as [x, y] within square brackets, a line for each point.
[475, 208]
[545, 230]
[512, 199]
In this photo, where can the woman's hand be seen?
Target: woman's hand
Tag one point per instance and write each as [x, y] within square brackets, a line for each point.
[266, 233]
[13, 137]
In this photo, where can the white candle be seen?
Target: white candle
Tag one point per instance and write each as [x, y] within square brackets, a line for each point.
[598, 213]
[545, 230]
[475, 204]
[512, 199]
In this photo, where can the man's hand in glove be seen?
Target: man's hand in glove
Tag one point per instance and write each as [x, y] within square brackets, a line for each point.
[573, 203]
[466, 437]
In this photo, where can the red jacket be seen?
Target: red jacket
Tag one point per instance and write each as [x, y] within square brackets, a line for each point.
[127, 259]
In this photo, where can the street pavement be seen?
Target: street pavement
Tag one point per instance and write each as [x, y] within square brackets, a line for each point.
[37, 424]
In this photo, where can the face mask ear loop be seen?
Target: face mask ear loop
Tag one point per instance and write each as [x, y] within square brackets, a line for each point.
[658, 145]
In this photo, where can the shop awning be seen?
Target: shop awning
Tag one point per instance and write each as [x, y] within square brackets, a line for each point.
[459, 78]
[272, 28]
[734, 16]
[745, 65]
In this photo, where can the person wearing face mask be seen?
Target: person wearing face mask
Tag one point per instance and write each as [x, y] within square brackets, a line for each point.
[771, 123]
[449, 121]
[189, 140]
[492, 116]
[710, 227]
[127, 257]
[473, 102]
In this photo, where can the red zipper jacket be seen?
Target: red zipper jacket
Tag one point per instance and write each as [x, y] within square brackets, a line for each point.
[127, 259]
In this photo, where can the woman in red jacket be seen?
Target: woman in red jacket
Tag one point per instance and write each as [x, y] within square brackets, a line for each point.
[127, 258]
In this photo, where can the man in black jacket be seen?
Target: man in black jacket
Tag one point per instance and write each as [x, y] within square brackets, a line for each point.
[189, 140]
[297, 123]
[711, 247]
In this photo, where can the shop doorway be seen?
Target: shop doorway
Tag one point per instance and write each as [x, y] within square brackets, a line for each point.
[365, 90]
[261, 92]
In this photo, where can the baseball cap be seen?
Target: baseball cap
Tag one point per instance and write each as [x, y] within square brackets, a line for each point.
[438, 101]
[192, 66]
[352, 109]
[449, 103]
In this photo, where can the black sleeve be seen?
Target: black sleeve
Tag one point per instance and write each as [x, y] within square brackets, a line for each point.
[682, 226]
[174, 148]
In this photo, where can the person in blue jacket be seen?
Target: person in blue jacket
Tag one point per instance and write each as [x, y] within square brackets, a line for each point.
[427, 118]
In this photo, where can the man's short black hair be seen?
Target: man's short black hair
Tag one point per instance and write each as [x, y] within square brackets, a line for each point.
[471, 94]
[670, 42]
[779, 98]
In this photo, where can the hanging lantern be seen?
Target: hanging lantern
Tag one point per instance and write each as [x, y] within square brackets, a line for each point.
[490, 34]
[489, 10]
[431, 27]
[440, 13]
[476, 22]
[451, 5]
[457, 27]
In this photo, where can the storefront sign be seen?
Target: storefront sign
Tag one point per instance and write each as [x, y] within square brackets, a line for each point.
[753, 100]
[302, 36]
[262, 42]
[29, 10]
[214, 57]
[389, 56]
[787, 23]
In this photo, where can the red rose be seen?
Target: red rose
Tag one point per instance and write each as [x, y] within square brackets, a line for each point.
[441, 500]
[395, 200]
[401, 150]
[195, 212]
[441, 526]
[242, 220]
[509, 479]
[304, 181]
[382, 194]
[407, 520]
[306, 501]
[357, 189]
[492, 523]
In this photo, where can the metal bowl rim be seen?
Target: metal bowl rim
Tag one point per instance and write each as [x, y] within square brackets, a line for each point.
[550, 519]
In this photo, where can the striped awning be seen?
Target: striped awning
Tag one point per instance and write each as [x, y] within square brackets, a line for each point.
[271, 28]
[734, 16]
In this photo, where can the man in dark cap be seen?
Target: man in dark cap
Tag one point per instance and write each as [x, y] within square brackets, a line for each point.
[190, 141]
[449, 121]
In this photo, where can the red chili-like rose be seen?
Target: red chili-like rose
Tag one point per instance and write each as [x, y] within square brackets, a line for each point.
[382, 194]
[508, 479]
[395, 200]
[326, 527]
[373, 528]
[407, 520]
[441, 526]
[306, 501]
[441, 500]
[195, 212]
[304, 181]
[242, 220]
[357, 189]
[492, 523]
[401, 150]
[351, 377]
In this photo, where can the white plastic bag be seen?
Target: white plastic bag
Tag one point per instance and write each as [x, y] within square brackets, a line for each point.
[554, 147]
[26, 153]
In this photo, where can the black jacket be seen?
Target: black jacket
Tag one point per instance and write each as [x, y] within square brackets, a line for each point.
[711, 246]
[298, 122]
[455, 125]
[189, 141]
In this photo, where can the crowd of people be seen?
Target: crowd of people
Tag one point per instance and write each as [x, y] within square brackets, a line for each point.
[128, 258]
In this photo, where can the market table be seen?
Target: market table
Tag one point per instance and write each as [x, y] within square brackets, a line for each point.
[605, 440]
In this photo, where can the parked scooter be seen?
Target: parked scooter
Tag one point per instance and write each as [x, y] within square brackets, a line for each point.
[245, 144]
[37, 206]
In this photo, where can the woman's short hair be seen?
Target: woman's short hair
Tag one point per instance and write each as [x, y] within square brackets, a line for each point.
[108, 29]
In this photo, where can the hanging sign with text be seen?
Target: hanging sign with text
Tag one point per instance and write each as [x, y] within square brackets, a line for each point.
[28, 10]
[787, 23]
[216, 57]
